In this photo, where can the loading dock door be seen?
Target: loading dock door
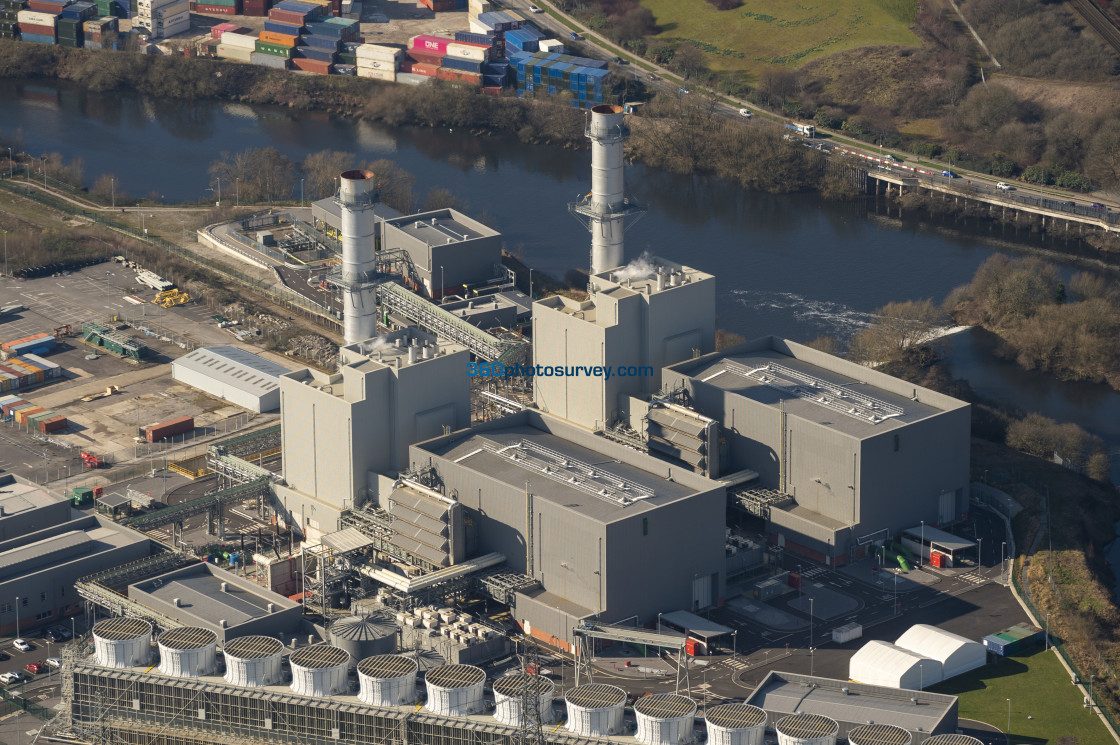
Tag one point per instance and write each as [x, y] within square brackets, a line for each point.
[702, 592]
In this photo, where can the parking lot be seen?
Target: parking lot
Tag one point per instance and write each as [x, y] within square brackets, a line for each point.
[15, 660]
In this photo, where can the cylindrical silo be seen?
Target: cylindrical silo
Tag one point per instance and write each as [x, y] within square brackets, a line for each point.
[879, 734]
[122, 642]
[188, 651]
[595, 710]
[356, 198]
[365, 636]
[455, 690]
[953, 739]
[806, 729]
[665, 719]
[253, 660]
[510, 692]
[735, 724]
[319, 670]
[387, 680]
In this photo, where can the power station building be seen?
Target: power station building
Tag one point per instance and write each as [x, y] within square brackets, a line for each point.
[844, 455]
[448, 250]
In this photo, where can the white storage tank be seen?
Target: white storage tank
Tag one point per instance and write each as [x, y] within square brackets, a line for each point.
[735, 724]
[253, 660]
[320, 670]
[595, 710]
[952, 739]
[387, 680]
[879, 734]
[455, 690]
[188, 651]
[665, 719]
[365, 636]
[509, 692]
[806, 729]
[122, 642]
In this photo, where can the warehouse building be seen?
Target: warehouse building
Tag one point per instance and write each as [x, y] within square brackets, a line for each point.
[588, 518]
[449, 251]
[202, 595]
[845, 456]
[232, 374]
[852, 704]
[46, 549]
[339, 430]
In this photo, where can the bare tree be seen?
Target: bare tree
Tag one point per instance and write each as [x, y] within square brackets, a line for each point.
[897, 328]
[395, 184]
[321, 169]
[688, 60]
[439, 198]
[257, 175]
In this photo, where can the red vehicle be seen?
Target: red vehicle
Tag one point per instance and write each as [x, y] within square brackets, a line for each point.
[36, 667]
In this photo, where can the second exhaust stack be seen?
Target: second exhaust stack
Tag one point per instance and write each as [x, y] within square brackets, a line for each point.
[356, 198]
[606, 211]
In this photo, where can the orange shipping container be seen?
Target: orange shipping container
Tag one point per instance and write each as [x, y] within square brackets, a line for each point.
[22, 414]
[282, 39]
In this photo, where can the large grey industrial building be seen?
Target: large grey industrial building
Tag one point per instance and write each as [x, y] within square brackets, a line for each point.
[46, 548]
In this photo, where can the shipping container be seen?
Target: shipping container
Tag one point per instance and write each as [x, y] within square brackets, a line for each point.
[10, 407]
[386, 74]
[26, 411]
[216, 10]
[279, 27]
[463, 50]
[345, 70]
[243, 41]
[27, 29]
[377, 52]
[428, 58]
[240, 54]
[156, 432]
[471, 38]
[36, 18]
[423, 68]
[327, 43]
[57, 424]
[463, 65]
[255, 8]
[284, 40]
[312, 65]
[491, 90]
[429, 43]
[408, 78]
[452, 75]
[373, 64]
[265, 59]
[287, 16]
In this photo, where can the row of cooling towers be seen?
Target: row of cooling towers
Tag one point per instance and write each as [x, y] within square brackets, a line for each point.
[594, 710]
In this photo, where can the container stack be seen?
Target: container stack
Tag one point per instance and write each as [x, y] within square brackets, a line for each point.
[552, 46]
[273, 50]
[68, 32]
[9, 18]
[321, 42]
[552, 74]
[463, 62]
[26, 371]
[378, 62]
[237, 46]
[42, 343]
[442, 6]
[496, 20]
[43, 421]
[425, 55]
[164, 18]
[524, 39]
[217, 7]
[99, 32]
[37, 26]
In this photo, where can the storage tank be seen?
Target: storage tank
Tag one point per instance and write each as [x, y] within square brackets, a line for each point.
[188, 651]
[426, 661]
[595, 710]
[455, 690]
[364, 636]
[387, 680]
[319, 670]
[735, 724]
[122, 642]
[253, 660]
[509, 692]
[879, 734]
[806, 729]
[665, 719]
[952, 739]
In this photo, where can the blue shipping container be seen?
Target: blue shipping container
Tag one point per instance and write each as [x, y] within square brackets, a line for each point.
[277, 27]
[493, 81]
[325, 29]
[458, 63]
[320, 42]
[471, 38]
[315, 53]
[38, 38]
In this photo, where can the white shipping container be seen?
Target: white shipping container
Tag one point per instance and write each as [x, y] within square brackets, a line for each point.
[36, 18]
[376, 64]
[168, 30]
[377, 51]
[478, 27]
[174, 22]
[468, 51]
[243, 41]
[474, 7]
[241, 54]
[551, 45]
[389, 75]
[847, 633]
[169, 11]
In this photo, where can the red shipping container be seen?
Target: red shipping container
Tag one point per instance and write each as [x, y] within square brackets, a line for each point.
[794, 580]
[31, 28]
[53, 425]
[171, 427]
[52, 8]
[459, 76]
[428, 58]
[312, 65]
[22, 414]
[287, 16]
[217, 10]
[429, 43]
[490, 91]
[256, 11]
[9, 406]
[422, 68]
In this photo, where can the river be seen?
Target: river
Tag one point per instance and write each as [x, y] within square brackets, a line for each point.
[791, 265]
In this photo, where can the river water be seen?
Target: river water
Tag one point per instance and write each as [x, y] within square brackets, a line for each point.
[790, 265]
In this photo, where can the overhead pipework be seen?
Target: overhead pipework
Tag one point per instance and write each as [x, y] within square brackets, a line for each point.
[356, 198]
[607, 212]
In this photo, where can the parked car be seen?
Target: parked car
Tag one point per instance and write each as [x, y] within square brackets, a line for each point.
[683, 91]
[10, 678]
[535, 9]
[745, 113]
[54, 662]
[949, 174]
[36, 667]
[574, 36]
[61, 632]
[1003, 187]
[51, 636]
[1097, 206]
[22, 645]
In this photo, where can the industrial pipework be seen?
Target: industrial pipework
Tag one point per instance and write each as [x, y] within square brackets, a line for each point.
[606, 211]
[356, 198]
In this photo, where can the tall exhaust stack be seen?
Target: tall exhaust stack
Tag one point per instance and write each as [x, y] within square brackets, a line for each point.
[356, 197]
[606, 211]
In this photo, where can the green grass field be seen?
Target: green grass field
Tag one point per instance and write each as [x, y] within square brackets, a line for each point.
[1039, 687]
[762, 33]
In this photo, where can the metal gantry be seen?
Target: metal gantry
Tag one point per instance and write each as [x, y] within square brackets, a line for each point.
[212, 504]
[588, 631]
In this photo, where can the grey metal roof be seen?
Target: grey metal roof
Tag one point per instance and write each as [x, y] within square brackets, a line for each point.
[456, 676]
[596, 696]
[940, 537]
[119, 629]
[114, 499]
[348, 539]
[235, 367]
[782, 693]
[43, 553]
[386, 666]
[665, 706]
[696, 625]
[200, 593]
[448, 228]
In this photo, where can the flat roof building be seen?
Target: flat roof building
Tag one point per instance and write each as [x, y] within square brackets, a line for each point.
[449, 250]
[230, 606]
[232, 374]
[500, 309]
[853, 704]
[588, 518]
[844, 455]
[26, 509]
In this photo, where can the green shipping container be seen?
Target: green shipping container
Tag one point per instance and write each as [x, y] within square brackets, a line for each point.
[348, 59]
[276, 50]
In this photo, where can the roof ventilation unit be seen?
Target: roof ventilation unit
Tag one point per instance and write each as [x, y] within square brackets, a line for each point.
[735, 724]
[665, 718]
[387, 680]
[319, 670]
[253, 660]
[188, 651]
[595, 710]
[510, 691]
[455, 690]
[879, 734]
[122, 642]
[806, 729]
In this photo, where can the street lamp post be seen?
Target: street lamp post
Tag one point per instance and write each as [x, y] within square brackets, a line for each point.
[43, 162]
[922, 548]
[1008, 732]
[1002, 559]
[237, 191]
[1047, 631]
[301, 192]
[17, 616]
[48, 657]
[800, 580]
[530, 283]
[1091, 678]
[980, 554]
[219, 190]
[10, 163]
[113, 190]
[5, 253]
